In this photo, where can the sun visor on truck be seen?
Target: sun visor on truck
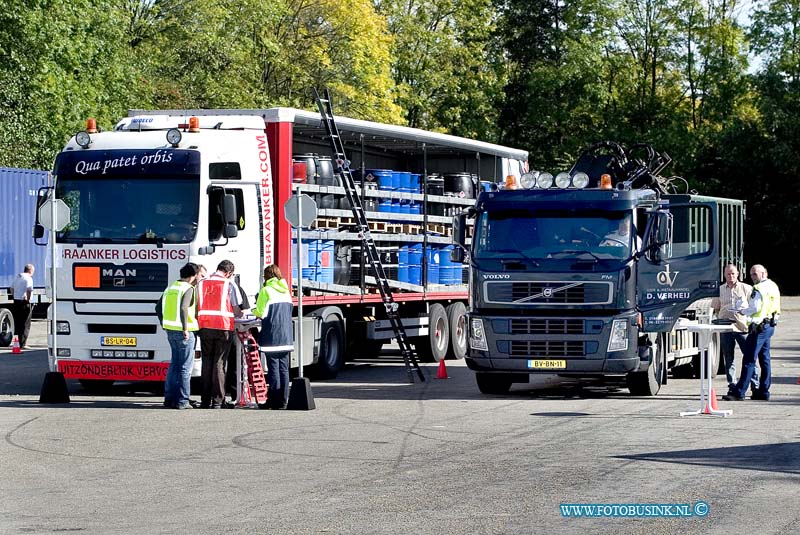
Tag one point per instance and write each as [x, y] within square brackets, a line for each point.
[123, 163]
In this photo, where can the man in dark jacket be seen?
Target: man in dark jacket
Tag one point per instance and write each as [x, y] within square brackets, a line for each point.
[276, 341]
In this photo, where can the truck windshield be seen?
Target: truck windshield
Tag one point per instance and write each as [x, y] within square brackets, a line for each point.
[128, 204]
[552, 234]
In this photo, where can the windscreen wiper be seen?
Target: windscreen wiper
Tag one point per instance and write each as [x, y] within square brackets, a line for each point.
[575, 252]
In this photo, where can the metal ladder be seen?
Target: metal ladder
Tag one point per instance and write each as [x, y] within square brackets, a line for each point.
[409, 356]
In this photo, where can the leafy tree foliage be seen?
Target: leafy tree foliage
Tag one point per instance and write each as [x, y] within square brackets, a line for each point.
[549, 76]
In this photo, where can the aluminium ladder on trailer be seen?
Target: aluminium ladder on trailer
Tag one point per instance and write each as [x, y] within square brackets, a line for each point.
[326, 115]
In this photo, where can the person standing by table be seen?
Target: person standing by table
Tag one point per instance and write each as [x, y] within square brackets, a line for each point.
[276, 340]
[731, 293]
[762, 314]
[218, 305]
[177, 313]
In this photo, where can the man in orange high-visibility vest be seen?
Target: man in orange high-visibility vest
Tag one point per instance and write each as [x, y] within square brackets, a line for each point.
[218, 305]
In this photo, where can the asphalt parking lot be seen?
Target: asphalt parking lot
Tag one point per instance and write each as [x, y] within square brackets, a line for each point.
[379, 455]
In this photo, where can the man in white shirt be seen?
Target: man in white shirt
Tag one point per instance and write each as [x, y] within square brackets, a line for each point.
[23, 290]
[731, 294]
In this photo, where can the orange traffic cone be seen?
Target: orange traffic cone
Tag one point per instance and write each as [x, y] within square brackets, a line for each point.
[442, 372]
[15, 349]
[714, 400]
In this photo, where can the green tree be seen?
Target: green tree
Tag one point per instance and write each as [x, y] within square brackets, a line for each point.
[445, 66]
[60, 62]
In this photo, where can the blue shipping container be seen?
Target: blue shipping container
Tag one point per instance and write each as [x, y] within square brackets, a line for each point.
[18, 189]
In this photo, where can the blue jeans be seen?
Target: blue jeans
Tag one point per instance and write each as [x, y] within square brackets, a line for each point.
[728, 341]
[756, 346]
[277, 378]
[177, 386]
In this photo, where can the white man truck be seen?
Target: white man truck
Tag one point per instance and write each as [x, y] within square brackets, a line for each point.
[587, 274]
[163, 188]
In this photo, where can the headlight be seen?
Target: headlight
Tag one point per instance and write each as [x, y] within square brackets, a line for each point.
[580, 180]
[477, 336]
[618, 341]
[528, 180]
[83, 139]
[544, 180]
[563, 180]
[174, 136]
[62, 327]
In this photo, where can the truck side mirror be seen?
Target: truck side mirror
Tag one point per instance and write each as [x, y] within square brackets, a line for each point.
[457, 255]
[460, 230]
[230, 215]
[660, 237]
[38, 231]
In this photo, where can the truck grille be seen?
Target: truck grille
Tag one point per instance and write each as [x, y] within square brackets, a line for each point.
[538, 293]
[547, 326]
[547, 348]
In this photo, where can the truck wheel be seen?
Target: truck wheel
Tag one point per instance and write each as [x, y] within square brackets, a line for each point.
[457, 318]
[331, 348]
[493, 383]
[648, 382]
[97, 386]
[6, 327]
[433, 348]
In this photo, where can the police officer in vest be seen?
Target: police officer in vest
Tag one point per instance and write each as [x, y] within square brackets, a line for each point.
[177, 313]
[218, 305]
[276, 340]
[762, 314]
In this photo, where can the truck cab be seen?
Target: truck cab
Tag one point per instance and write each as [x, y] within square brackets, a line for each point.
[587, 282]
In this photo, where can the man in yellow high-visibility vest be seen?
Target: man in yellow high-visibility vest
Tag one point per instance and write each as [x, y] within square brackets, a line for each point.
[762, 314]
[178, 316]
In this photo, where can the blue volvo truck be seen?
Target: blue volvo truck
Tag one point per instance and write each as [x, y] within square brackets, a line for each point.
[587, 274]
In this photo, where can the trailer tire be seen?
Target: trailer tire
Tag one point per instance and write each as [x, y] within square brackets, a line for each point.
[648, 382]
[496, 384]
[457, 318]
[433, 348]
[6, 327]
[331, 347]
[97, 386]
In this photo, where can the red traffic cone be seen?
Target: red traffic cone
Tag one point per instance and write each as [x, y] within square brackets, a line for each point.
[15, 349]
[442, 372]
[714, 400]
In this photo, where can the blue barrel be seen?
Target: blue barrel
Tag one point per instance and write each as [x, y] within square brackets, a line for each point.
[402, 264]
[403, 180]
[415, 208]
[415, 263]
[325, 264]
[385, 205]
[415, 183]
[433, 265]
[309, 267]
[395, 208]
[307, 272]
[445, 265]
[405, 206]
[382, 176]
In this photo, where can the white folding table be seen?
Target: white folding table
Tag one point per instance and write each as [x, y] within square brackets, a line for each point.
[704, 332]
